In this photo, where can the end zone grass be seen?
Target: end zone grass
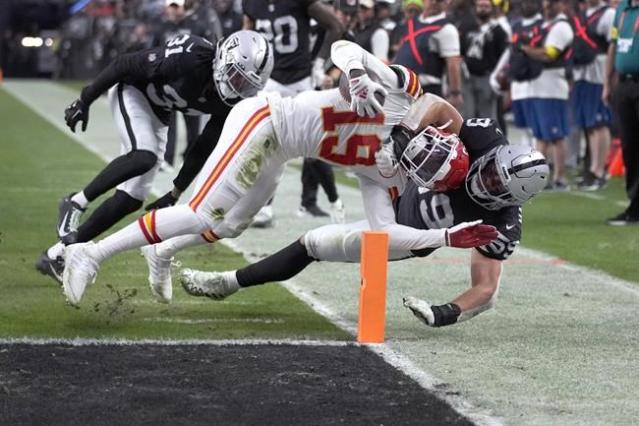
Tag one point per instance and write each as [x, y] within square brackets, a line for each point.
[40, 165]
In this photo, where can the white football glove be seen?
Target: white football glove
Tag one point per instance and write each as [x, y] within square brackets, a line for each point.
[363, 101]
[421, 309]
[386, 161]
[317, 73]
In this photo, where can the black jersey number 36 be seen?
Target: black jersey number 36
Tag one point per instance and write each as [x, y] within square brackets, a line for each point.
[282, 32]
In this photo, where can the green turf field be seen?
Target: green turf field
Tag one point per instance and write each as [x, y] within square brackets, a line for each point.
[40, 164]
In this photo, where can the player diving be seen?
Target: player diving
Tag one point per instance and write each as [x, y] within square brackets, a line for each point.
[259, 136]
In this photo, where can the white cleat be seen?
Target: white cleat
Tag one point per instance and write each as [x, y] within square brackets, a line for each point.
[263, 218]
[80, 270]
[159, 274]
[337, 212]
[215, 285]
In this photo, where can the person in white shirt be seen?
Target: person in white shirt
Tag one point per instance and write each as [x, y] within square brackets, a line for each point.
[591, 114]
[430, 47]
[549, 91]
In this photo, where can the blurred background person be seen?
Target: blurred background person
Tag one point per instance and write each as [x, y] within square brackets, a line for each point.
[287, 23]
[369, 32]
[548, 111]
[385, 12]
[430, 47]
[482, 47]
[410, 9]
[230, 19]
[592, 28]
[512, 75]
[623, 59]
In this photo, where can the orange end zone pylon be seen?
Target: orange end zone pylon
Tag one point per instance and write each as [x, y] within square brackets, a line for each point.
[372, 294]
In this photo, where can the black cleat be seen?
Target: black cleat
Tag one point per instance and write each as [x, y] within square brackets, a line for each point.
[68, 216]
[51, 267]
[313, 211]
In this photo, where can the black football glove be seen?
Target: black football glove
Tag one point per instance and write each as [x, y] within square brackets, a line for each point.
[77, 111]
[167, 200]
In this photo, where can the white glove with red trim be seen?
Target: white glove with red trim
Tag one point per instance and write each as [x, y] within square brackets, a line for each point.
[386, 161]
[363, 93]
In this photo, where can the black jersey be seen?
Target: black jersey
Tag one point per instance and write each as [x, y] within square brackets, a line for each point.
[424, 209]
[177, 76]
[286, 24]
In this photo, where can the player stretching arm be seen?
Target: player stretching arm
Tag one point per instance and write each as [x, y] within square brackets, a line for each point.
[494, 189]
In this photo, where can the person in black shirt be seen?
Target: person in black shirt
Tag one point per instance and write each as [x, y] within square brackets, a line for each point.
[230, 20]
[481, 47]
[501, 178]
[188, 74]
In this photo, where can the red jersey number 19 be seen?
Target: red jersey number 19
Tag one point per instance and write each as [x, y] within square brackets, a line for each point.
[360, 149]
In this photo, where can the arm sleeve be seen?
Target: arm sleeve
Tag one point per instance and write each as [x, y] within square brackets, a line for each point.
[447, 41]
[348, 56]
[199, 153]
[381, 217]
[380, 43]
[605, 23]
[560, 36]
[131, 66]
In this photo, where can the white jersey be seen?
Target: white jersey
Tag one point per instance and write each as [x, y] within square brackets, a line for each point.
[320, 124]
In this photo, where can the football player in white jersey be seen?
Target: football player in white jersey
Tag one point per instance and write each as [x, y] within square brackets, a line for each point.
[243, 171]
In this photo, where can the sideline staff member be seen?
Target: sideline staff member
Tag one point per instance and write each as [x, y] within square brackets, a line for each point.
[623, 57]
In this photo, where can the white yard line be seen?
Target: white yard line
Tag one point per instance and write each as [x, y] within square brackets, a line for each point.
[170, 342]
[215, 320]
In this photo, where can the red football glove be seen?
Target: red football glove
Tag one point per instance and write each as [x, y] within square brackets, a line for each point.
[470, 234]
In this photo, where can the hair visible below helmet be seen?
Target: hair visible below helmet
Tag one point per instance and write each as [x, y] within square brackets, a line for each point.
[243, 64]
[507, 176]
[432, 159]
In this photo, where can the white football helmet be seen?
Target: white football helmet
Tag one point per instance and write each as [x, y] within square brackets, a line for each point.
[507, 176]
[243, 64]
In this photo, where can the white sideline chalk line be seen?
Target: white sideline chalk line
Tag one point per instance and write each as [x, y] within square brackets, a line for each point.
[216, 320]
[169, 342]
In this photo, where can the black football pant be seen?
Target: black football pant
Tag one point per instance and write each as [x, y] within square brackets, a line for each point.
[192, 132]
[627, 109]
[314, 173]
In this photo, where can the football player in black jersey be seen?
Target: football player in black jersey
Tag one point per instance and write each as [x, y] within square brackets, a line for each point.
[188, 74]
[288, 24]
[501, 178]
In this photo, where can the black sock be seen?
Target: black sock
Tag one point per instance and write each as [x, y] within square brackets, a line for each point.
[279, 266]
[106, 215]
[123, 168]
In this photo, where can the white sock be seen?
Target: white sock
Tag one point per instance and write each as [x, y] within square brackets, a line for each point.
[80, 199]
[167, 249]
[231, 277]
[150, 229]
[56, 250]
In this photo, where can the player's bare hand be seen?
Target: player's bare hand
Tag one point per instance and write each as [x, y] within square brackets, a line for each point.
[167, 200]
[367, 96]
[470, 234]
[76, 112]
